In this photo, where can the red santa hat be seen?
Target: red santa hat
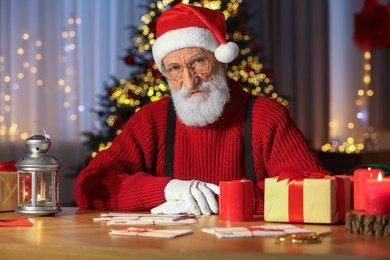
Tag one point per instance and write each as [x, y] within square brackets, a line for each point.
[191, 26]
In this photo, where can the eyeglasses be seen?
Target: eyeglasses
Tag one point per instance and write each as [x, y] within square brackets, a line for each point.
[199, 65]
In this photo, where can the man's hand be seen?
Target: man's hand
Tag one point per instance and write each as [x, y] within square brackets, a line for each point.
[172, 207]
[194, 197]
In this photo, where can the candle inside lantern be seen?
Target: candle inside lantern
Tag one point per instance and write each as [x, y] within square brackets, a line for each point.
[377, 196]
[360, 177]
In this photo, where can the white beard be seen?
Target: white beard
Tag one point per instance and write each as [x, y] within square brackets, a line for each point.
[206, 108]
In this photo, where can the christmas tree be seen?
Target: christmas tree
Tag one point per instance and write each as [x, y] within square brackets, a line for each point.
[146, 84]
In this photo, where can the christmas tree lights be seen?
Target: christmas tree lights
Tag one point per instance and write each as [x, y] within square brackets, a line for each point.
[146, 84]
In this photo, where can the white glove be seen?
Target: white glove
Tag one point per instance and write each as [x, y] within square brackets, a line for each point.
[199, 196]
[172, 207]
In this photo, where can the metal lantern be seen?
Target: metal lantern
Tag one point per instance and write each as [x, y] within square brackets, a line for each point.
[38, 173]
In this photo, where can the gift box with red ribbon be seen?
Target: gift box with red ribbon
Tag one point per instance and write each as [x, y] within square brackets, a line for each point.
[8, 186]
[351, 181]
[306, 197]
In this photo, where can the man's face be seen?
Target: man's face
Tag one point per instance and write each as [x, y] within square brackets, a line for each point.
[198, 85]
[186, 68]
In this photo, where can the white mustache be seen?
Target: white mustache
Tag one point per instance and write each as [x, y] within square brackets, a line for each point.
[186, 93]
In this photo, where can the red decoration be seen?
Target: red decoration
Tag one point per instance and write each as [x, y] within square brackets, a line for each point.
[24, 222]
[256, 46]
[151, 64]
[157, 74]
[243, 29]
[268, 73]
[110, 91]
[129, 59]
[9, 166]
[248, 70]
[119, 123]
[372, 26]
[152, 27]
[131, 95]
[236, 13]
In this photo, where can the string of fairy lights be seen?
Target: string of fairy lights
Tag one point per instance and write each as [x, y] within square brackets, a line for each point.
[13, 82]
[357, 143]
[23, 71]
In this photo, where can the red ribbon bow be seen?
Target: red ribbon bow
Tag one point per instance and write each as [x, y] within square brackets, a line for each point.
[8, 166]
[292, 174]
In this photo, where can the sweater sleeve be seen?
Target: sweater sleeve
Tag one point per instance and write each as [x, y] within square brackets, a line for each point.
[278, 143]
[126, 176]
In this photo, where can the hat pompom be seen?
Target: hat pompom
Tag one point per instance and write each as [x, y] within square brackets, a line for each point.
[226, 53]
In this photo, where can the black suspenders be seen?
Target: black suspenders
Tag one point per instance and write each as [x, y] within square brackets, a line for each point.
[170, 139]
[249, 164]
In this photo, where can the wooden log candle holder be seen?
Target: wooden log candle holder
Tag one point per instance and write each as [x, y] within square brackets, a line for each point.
[360, 223]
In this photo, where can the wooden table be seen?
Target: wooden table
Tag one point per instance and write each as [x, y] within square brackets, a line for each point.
[72, 234]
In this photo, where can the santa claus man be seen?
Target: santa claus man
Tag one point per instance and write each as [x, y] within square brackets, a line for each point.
[172, 154]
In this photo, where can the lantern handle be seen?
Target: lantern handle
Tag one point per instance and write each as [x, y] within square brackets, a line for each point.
[36, 125]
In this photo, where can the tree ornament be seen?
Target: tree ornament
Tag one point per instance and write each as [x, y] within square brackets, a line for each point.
[129, 59]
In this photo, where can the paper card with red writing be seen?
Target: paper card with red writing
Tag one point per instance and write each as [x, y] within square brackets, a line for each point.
[256, 231]
[324, 200]
[147, 232]
[120, 219]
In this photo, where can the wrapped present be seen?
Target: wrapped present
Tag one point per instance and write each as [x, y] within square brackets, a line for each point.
[8, 186]
[351, 181]
[306, 198]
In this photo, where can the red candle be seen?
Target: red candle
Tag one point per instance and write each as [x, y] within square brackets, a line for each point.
[377, 199]
[360, 176]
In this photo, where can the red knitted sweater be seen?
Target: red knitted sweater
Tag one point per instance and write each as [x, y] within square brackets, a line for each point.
[130, 174]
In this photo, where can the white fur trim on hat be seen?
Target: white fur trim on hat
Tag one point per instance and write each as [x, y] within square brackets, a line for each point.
[182, 38]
